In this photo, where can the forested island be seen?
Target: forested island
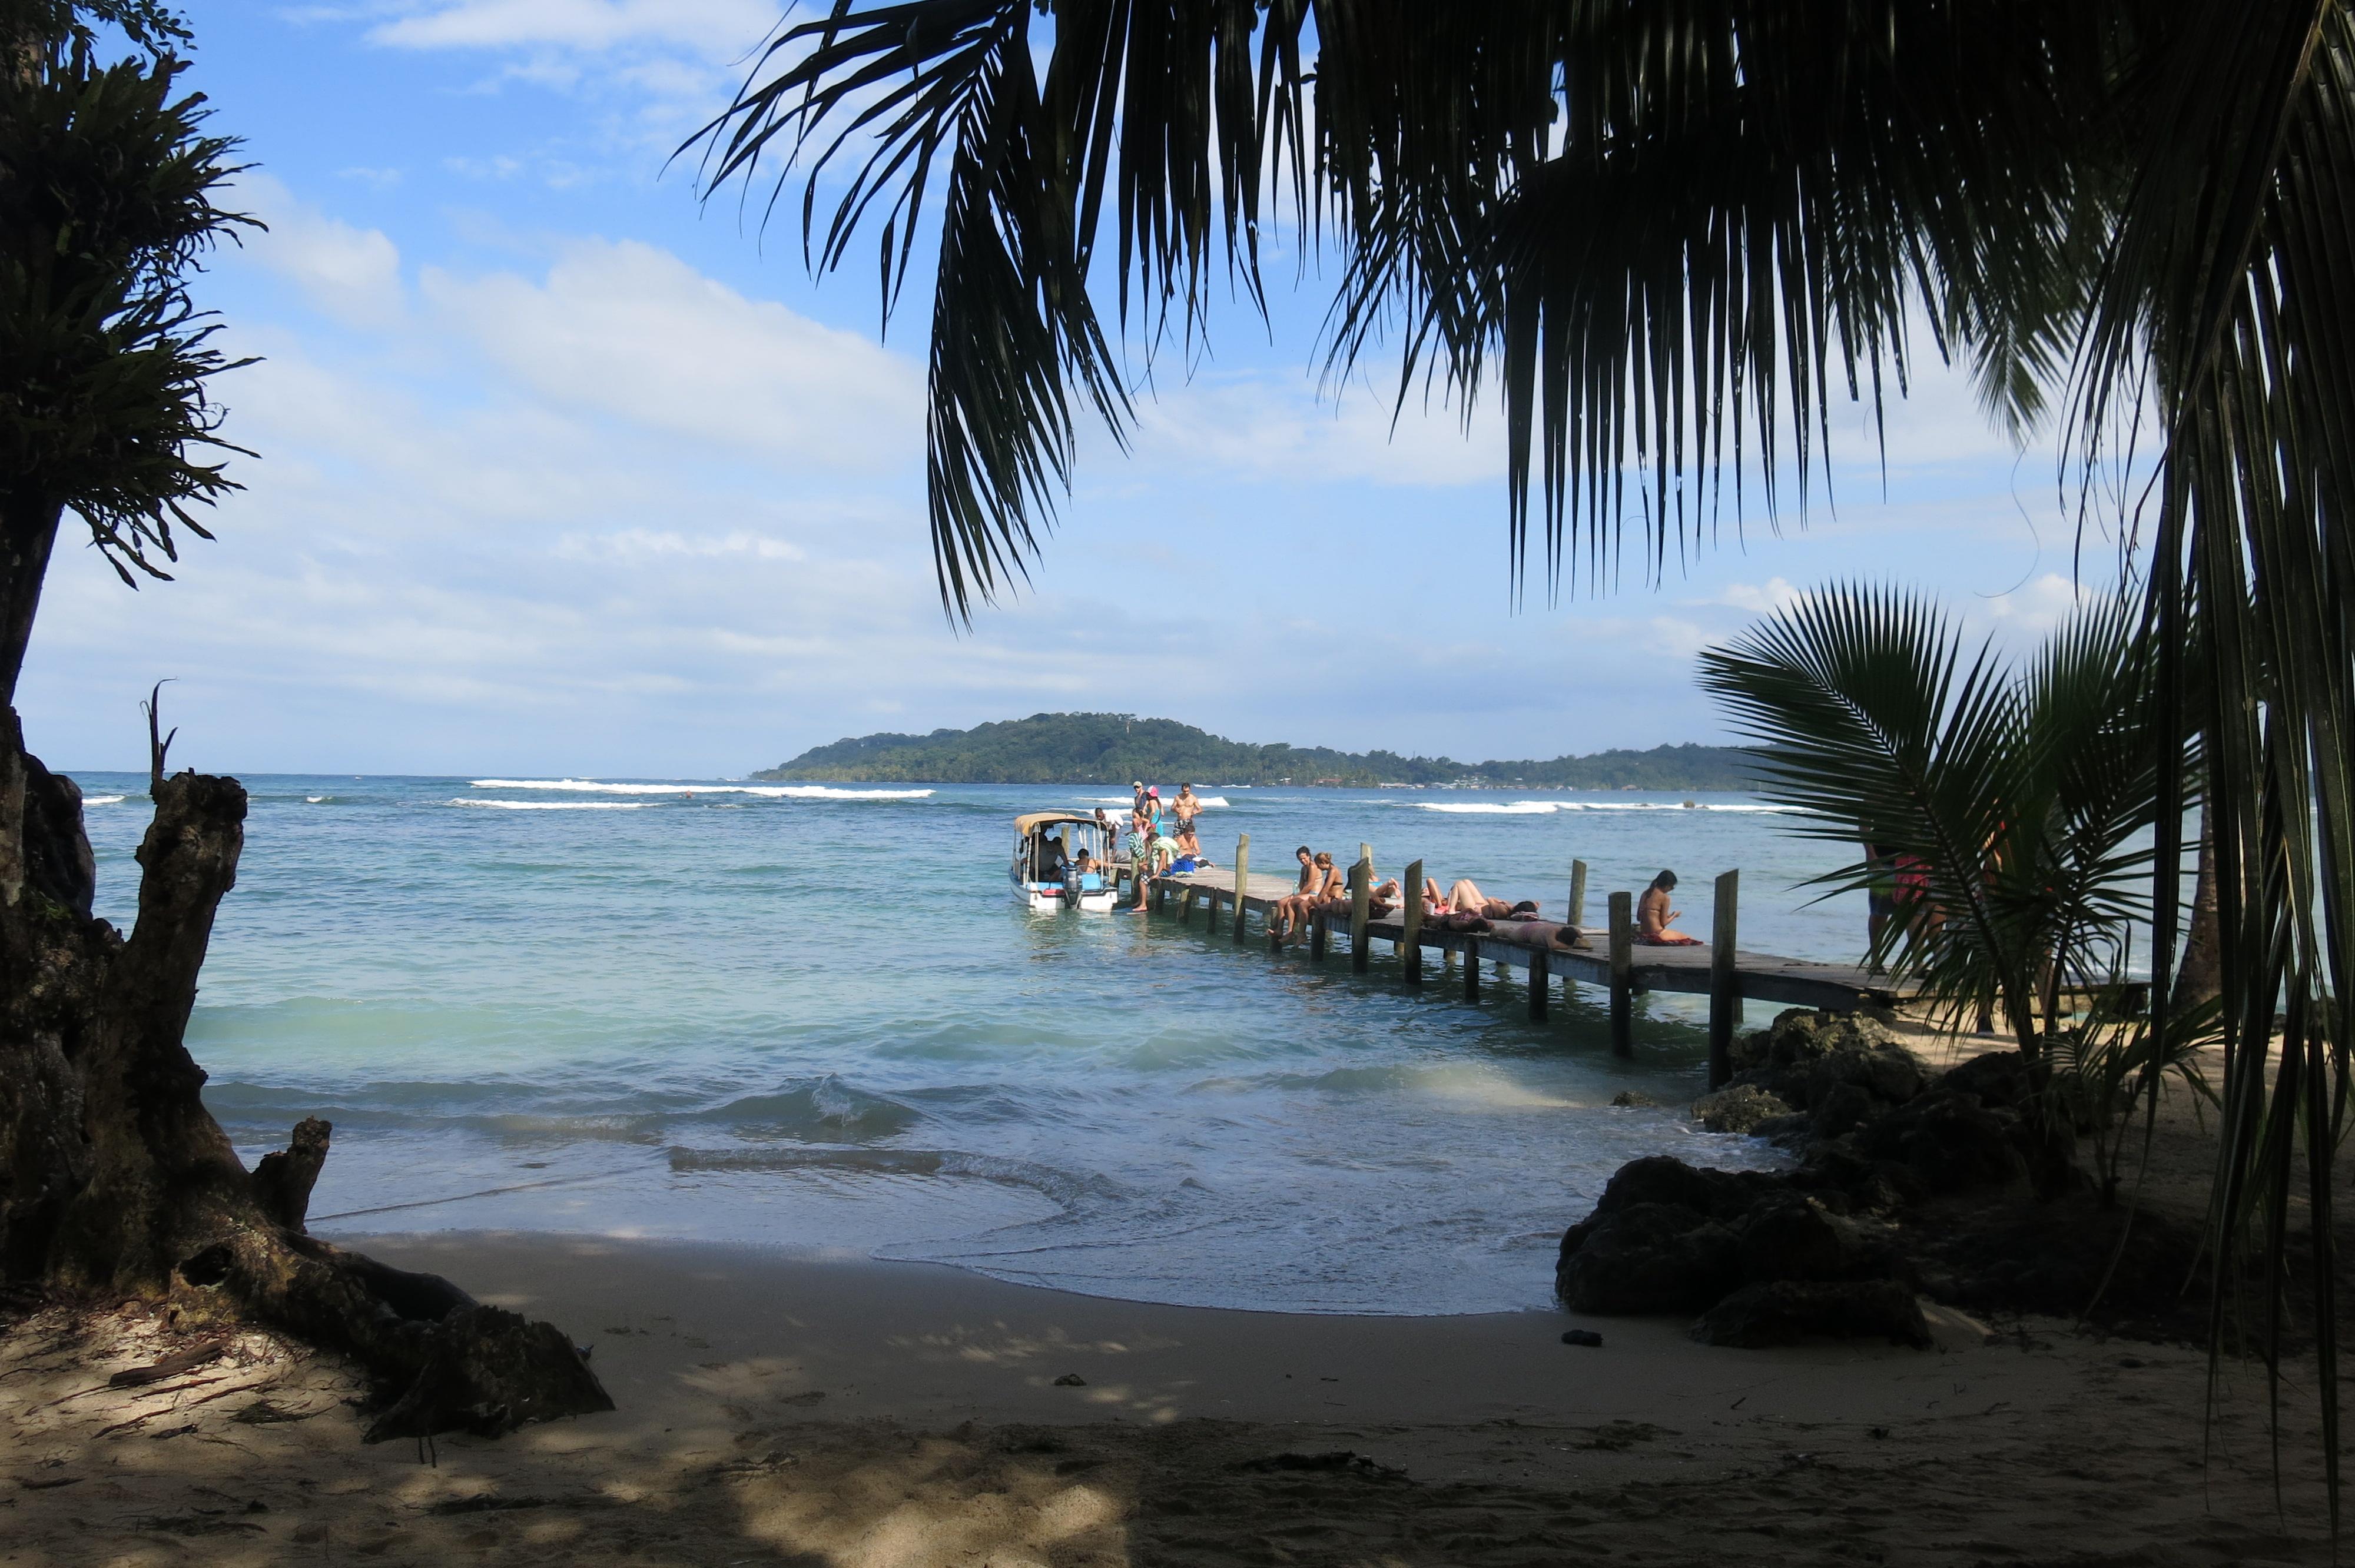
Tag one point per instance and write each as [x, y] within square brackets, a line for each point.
[1113, 749]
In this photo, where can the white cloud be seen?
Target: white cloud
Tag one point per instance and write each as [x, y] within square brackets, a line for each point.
[1264, 426]
[2036, 608]
[633, 331]
[724, 28]
[350, 273]
[1759, 598]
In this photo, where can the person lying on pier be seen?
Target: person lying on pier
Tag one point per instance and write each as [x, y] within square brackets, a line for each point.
[1465, 899]
[1653, 915]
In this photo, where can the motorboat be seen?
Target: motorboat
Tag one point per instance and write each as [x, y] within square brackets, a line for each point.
[1046, 871]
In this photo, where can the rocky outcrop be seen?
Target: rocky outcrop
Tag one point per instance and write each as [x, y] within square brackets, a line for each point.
[1739, 1110]
[1768, 1258]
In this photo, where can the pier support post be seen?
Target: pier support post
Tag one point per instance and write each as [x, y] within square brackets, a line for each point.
[1471, 968]
[1538, 978]
[1724, 981]
[1411, 945]
[1578, 893]
[1623, 961]
[1185, 906]
[1243, 882]
[1361, 893]
[1319, 930]
[1209, 912]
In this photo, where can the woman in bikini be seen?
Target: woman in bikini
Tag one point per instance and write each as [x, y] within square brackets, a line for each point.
[1653, 915]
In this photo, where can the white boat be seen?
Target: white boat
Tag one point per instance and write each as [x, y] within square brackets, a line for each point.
[1046, 872]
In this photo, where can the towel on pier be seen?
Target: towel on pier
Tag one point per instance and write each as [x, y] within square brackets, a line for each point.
[1458, 923]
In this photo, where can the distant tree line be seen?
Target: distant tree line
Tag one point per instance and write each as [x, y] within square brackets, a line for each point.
[1113, 749]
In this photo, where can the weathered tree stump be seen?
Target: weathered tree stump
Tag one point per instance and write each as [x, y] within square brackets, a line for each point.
[116, 1180]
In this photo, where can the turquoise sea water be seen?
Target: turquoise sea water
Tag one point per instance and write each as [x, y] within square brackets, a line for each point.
[815, 1019]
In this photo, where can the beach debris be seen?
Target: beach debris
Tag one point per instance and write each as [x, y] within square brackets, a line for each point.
[1070, 1380]
[167, 1367]
[1586, 1337]
[488, 1370]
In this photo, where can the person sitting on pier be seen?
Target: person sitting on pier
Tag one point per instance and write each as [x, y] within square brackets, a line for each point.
[1189, 848]
[1653, 915]
[1287, 913]
[1309, 875]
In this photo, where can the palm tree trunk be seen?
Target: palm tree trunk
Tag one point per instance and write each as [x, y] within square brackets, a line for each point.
[28, 532]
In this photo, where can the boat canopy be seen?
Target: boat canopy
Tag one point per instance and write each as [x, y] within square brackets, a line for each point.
[1030, 824]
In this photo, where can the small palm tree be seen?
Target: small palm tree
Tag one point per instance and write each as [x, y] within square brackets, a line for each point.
[2010, 807]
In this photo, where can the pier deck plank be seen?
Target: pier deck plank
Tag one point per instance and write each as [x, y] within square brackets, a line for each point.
[1760, 977]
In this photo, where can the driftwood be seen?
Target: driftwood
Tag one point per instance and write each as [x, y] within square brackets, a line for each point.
[116, 1182]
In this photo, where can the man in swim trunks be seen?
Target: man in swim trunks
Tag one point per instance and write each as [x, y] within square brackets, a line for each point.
[1653, 915]
[1187, 805]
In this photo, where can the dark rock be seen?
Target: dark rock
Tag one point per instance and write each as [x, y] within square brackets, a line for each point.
[1070, 1380]
[1842, 1109]
[1739, 1110]
[1633, 1099]
[1648, 1257]
[1997, 1080]
[1796, 1127]
[1790, 1237]
[1586, 1337]
[1805, 1056]
[1785, 1311]
[1949, 1141]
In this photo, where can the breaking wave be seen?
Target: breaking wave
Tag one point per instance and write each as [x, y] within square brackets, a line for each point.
[555, 805]
[102, 799]
[1546, 808]
[770, 792]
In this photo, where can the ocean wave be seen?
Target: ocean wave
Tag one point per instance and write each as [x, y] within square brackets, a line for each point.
[768, 792]
[318, 799]
[1064, 1187]
[553, 805]
[1129, 800]
[103, 799]
[1546, 808]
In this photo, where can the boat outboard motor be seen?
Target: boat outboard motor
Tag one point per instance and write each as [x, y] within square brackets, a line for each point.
[1071, 885]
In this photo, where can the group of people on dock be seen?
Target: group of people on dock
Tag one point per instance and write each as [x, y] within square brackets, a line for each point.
[1324, 889]
[1161, 841]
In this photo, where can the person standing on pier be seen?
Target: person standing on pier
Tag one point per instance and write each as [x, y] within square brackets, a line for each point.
[1188, 806]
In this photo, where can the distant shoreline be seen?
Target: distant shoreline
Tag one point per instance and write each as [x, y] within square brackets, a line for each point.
[1110, 750]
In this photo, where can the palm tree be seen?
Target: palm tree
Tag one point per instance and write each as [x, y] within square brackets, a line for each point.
[2012, 806]
[1673, 236]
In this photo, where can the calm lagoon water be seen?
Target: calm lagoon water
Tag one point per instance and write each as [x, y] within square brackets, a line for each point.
[813, 1019]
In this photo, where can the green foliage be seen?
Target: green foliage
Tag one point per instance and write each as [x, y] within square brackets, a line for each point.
[1113, 749]
[106, 182]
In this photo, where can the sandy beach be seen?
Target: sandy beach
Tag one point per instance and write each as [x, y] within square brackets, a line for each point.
[819, 1411]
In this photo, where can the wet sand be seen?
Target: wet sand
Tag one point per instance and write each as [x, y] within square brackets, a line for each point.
[793, 1410]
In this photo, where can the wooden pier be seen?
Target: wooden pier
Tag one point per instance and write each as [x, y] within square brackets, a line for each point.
[1611, 958]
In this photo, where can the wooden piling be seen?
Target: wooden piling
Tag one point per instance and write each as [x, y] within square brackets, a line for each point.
[1724, 981]
[1537, 973]
[1185, 906]
[1318, 928]
[1471, 968]
[1410, 938]
[1578, 893]
[1623, 961]
[1361, 893]
[1243, 882]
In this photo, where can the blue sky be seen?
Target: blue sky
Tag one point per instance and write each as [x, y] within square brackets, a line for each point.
[561, 470]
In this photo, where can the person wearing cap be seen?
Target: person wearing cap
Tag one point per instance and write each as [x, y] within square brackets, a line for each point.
[1136, 794]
